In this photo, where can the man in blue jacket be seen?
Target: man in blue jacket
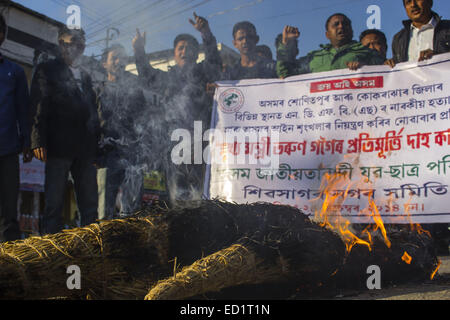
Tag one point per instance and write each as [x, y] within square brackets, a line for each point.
[14, 138]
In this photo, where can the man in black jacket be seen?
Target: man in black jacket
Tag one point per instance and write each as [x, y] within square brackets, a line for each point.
[65, 130]
[424, 34]
[185, 101]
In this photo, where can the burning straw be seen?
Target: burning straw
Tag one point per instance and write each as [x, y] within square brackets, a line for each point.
[217, 244]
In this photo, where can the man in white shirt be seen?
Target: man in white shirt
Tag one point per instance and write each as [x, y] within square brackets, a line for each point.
[424, 34]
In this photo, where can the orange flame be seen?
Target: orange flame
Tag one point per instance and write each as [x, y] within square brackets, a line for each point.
[329, 214]
[407, 258]
[435, 270]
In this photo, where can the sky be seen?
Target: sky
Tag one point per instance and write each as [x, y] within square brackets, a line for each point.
[164, 19]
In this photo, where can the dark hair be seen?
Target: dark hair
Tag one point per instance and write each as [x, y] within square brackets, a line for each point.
[64, 30]
[186, 37]
[431, 2]
[265, 51]
[115, 46]
[334, 15]
[3, 25]
[244, 25]
[376, 32]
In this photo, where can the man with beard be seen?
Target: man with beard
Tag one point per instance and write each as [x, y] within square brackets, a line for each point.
[120, 105]
[14, 138]
[251, 65]
[186, 100]
[342, 51]
[424, 34]
[65, 130]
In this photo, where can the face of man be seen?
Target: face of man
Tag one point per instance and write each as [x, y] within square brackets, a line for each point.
[375, 42]
[245, 41]
[418, 10]
[116, 61]
[185, 53]
[339, 31]
[72, 47]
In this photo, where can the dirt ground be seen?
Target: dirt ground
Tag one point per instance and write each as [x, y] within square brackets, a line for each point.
[438, 289]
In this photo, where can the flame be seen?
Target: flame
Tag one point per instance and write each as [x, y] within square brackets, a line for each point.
[435, 270]
[329, 215]
[407, 258]
[327, 212]
[414, 226]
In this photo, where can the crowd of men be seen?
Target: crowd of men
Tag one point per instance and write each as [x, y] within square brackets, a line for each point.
[94, 132]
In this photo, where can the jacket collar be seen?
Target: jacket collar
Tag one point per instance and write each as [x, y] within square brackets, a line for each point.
[328, 46]
[407, 23]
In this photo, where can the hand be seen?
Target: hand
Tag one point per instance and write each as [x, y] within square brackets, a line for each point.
[27, 155]
[200, 24]
[289, 34]
[138, 42]
[354, 65]
[390, 62]
[40, 154]
[426, 54]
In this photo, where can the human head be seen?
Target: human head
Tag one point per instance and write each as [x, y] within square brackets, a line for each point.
[374, 39]
[339, 30]
[3, 29]
[114, 59]
[264, 52]
[419, 11]
[245, 37]
[71, 43]
[185, 48]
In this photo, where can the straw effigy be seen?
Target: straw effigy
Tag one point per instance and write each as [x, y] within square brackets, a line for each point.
[113, 256]
[201, 248]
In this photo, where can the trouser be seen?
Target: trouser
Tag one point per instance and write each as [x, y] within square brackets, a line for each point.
[109, 181]
[9, 192]
[85, 184]
[112, 178]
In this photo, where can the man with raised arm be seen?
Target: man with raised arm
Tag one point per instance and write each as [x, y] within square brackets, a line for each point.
[185, 101]
[121, 104]
[342, 51]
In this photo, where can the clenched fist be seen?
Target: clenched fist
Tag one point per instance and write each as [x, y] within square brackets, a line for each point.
[289, 34]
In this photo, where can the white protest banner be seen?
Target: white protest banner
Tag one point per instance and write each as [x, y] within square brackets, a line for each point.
[385, 130]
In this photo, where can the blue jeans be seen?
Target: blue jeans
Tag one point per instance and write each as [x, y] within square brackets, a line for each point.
[9, 192]
[86, 193]
[110, 179]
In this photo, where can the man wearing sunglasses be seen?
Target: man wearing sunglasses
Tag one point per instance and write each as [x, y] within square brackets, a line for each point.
[65, 130]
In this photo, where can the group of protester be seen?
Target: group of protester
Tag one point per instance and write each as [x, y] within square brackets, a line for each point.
[93, 131]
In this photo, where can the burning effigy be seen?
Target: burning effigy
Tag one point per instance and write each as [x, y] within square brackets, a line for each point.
[209, 247]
